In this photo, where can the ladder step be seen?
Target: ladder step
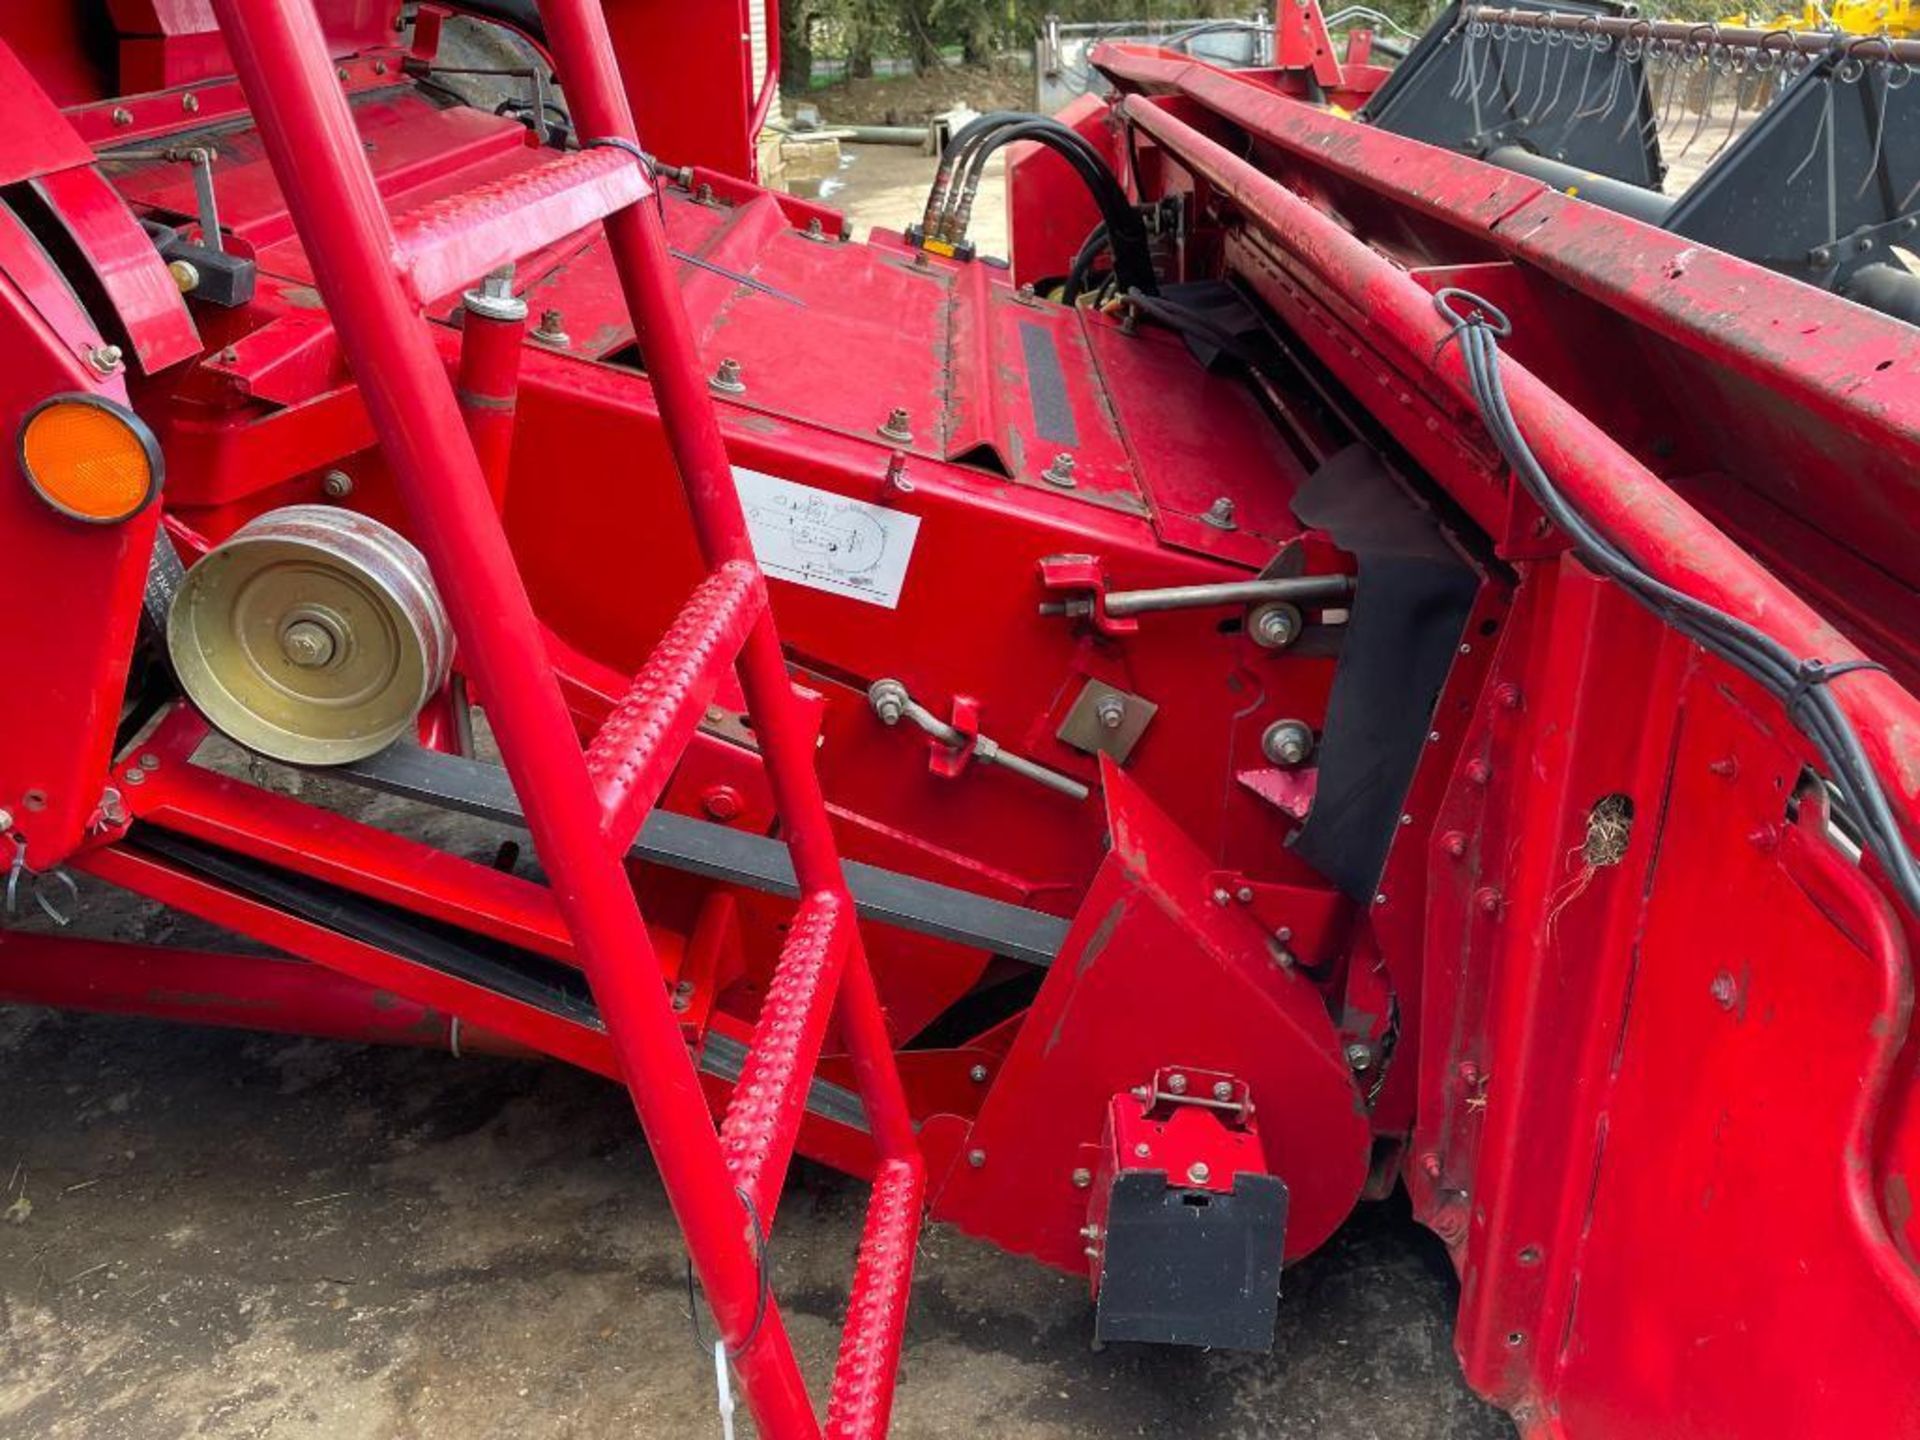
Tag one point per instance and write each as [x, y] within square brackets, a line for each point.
[877, 1312]
[452, 243]
[633, 755]
[763, 1120]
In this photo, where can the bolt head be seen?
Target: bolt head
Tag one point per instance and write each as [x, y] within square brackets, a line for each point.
[976, 1158]
[105, 358]
[1111, 712]
[1287, 742]
[1274, 627]
[1198, 1172]
[1082, 1178]
[1359, 1055]
[1176, 1084]
[978, 1074]
[1220, 514]
[1723, 989]
[1222, 1090]
[337, 485]
[308, 645]
[1142, 1150]
[6, 821]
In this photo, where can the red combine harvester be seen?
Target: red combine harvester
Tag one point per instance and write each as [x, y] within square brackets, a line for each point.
[1379, 651]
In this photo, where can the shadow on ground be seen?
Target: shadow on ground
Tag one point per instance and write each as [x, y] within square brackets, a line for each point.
[219, 1234]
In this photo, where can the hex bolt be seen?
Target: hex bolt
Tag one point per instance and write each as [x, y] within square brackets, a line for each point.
[1111, 712]
[149, 761]
[122, 117]
[889, 700]
[1359, 1055]
[1060, 473]
[1222, 1090]
[898, 426]
[1176, 1084]
[1274, 625]
[726, 379]
[1142, 1150]
[976, 1158]
[1287, 742]
[1723, 990]
[105, 358]
[336, 485]
[186, 275]
[1082, 1178]
[1220, 515]
[552, 330]
[1221, 897]
[1244, 894]
[1198, 1172]
[978, 1074]
[308, 644]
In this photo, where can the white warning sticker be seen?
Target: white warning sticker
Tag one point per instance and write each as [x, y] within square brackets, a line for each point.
[826, 541]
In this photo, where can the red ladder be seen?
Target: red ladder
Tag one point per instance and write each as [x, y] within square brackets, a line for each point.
[583, 808]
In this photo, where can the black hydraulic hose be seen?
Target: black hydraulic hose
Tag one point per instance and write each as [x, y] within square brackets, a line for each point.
[1075, 147]
[952, 159]
[1803, 685]
[1132, 254]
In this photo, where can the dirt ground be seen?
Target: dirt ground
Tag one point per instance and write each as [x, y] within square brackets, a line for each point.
[911, 99]
[218, 1234]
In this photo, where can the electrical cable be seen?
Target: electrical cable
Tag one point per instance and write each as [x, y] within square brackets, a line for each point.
[1081, 269]
[1802, 684]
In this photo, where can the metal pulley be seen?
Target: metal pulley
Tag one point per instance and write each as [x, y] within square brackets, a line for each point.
[314, 635]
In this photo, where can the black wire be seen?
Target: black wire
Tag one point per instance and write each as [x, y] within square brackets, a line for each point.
[1079, 272]
[764, 1288]
[1190, 322]
[1802, 684]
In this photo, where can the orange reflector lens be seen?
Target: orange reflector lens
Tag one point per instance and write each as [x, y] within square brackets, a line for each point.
[90, 458]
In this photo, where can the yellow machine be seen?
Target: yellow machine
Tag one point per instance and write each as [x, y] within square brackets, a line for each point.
[1853, 17]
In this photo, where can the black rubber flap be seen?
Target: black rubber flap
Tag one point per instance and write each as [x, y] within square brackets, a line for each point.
[1409, 610]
